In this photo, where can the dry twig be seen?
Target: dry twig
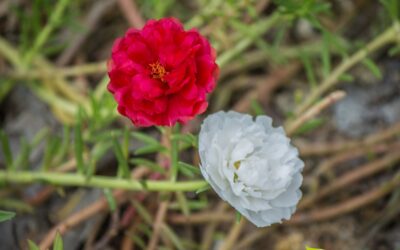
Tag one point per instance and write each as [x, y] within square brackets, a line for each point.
[346, 206]
[264, 91]
[210, 229]
[315, 110]
[352, 177]
[335, 161]
[90, 23]
[201, 217]
[310, 149]
[99, 206]
[162, 211]
[131, 13]
[233, 235]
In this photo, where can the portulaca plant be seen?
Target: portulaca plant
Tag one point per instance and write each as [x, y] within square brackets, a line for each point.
[251, 165]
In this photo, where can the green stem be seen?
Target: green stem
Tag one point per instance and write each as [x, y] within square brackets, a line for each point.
[45, 33]
[10, 54]
[85, 69]
[174, 151]
[78, 180]
[262, 27]
[388, 36]
[44, 68]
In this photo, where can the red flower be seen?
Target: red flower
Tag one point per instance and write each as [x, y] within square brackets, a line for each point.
[161, 74]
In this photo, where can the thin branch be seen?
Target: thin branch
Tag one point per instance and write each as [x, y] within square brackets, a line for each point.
[307, 149]
[93, 17]
[233, 235]
[315, 110]
[264, 90]
[131, 13]
[77, 70]
[388, 36]
[79, 180]
[201, 217]
[161, 213]
[347, 206]
[352, 177]
[209, 231]
[246, 242]
[330, 163]
[99, 206]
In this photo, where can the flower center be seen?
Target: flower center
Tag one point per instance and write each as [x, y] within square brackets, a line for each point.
[236, 164]
[157, 71]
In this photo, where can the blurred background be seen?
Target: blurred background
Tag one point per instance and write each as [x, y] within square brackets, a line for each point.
[329, 71]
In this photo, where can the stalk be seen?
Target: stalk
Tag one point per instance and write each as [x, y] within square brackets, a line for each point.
[79, 180]
[388, 36]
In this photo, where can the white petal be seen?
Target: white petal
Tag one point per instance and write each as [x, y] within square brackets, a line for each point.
[251, 165]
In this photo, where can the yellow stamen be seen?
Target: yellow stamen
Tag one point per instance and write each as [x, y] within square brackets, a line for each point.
[157, 71]
[236, 164]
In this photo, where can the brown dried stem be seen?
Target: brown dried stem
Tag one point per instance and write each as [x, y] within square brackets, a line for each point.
[264, 91]
[161, 213]
[233, 235]
[209, 231]
[315, 110]
[388, 36]
[99, 206]
[352, 177]
[246, 242]
[307, 149]
[335, 161]
[131, 13]
[95, 14]
[330, 212]
[348, 205]
[201, 217]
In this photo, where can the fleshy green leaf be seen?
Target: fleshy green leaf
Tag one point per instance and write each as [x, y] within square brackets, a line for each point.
[22, 161]
[257, 108]
[145, 138]
[201, 190]
[5, 144]
[393, 7]
[310, 125]
[311, 248]
[5, 88]
[325, 55]
[65, 144]
[110, 199]
[173, 237]
[238, 217]
[309, 69]
[147, 163]
[192, 205]
[183, 203]
[78, 149]
[96, 154]
[394, 51]
[142, 211]
[346, 78]
[123, 168]
[186, 138]
[372, 67]
[58, 242]
[125, 142]
[149, 149]
[188, 169]
[139, 241]
[6, 215]
[52, 147]
[32, 245]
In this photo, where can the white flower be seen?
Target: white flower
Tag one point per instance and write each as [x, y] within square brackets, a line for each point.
[251, 165]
